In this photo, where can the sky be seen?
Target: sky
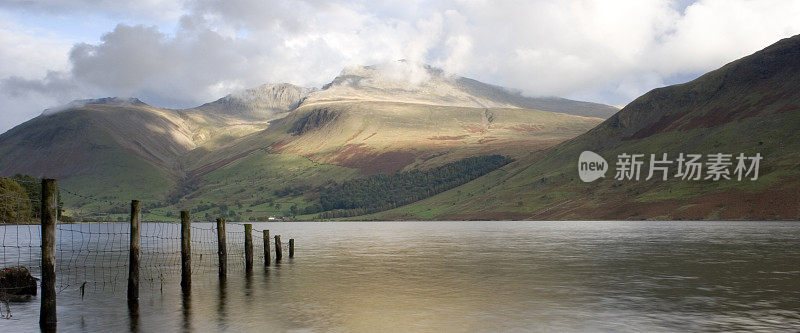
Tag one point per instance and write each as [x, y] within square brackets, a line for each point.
[181, 54]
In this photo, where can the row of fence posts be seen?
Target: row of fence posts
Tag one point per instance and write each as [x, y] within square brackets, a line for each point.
[49, 206]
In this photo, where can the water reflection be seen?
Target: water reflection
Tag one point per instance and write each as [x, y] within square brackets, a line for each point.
[133, 315]
[46, 328]
[222, 313]
[485, 277]
[186, 298]
[248, 288]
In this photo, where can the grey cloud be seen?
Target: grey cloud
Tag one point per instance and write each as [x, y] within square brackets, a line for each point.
[54, 83]
[23, 98]
[161, 9]
[603, 51]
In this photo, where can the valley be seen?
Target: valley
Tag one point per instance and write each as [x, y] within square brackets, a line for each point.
[395, 132]
[233, 157]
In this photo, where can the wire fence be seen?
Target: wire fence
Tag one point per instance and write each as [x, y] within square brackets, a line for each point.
[94, 256]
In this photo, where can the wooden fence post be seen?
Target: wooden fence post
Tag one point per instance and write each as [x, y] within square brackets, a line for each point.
[133, 255]
[222, 248]
[248, 247]
[291, 247]
[49, 210]
[277, 248]
[266, 248]
[186, 251]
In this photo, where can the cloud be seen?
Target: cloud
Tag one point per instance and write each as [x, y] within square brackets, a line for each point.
[149, 9]
[29, 51]
[606, 51]
[21, 95]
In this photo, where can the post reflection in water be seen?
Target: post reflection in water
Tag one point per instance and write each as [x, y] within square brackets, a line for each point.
[477, 277]
[222, 312]
[133, 315]
[248, 287]
[187, 309]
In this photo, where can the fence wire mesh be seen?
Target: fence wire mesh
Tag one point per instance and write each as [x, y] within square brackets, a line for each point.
[94, 256]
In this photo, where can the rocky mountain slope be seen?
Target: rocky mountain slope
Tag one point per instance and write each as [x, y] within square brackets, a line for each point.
[266, 102]
[240, 149]
[406, 82]
[750, 106]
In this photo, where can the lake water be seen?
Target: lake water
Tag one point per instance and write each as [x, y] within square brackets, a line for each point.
[472, 277]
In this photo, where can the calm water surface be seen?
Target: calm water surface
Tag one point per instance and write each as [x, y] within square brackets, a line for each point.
[476, 277]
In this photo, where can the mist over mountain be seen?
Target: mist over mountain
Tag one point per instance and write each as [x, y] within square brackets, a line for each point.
[749, 106]
[264, 102]
[408, 82]
[381, 119]
[279, 145]
[131, 101]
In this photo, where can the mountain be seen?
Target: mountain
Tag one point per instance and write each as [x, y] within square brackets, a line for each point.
[237, 155]
[368, 120]
[750, 106]
[265, 102]
[407, 82]
[117, 101]
[401, 115]
[114, 147]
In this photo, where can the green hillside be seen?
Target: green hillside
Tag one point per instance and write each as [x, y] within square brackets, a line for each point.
[105, 150]
[316, 146]
[275, 149]
[281, 150]
[749, 106]
[84, 153]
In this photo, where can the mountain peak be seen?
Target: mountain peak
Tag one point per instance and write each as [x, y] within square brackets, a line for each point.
[400, 74]
[79, 103]
[263, 102]
[412, 82]
[764, 82]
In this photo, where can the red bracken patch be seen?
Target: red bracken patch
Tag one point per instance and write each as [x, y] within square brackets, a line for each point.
[369, 162]
[216, 165]
[781, 202]
[484, 216]
[474, 128]
[278, 146]
[371, 135]
[526, 128]
[354, 136]
[448, 137]
[659, 126]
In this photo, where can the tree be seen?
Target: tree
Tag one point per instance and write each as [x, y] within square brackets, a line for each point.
[15, 205]
[382, 192]
[34, 189]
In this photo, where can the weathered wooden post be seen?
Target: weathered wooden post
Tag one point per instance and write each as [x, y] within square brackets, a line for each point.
[49, 210]
[222, 248]
[248, 247]
[291, 247]
[266, 247]
[186, 251]
[277, 248]
[133, 256]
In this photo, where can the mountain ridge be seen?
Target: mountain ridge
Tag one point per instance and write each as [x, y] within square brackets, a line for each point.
[271, 100]
[418, 83]
[121, 148]
[749, 106]
[265, 102]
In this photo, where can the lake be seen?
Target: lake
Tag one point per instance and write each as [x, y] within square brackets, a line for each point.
[460, 277]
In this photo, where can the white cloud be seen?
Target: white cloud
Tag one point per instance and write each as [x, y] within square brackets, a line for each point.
[140, 9]
[29, 51]
[607, 51]
[713, 32]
